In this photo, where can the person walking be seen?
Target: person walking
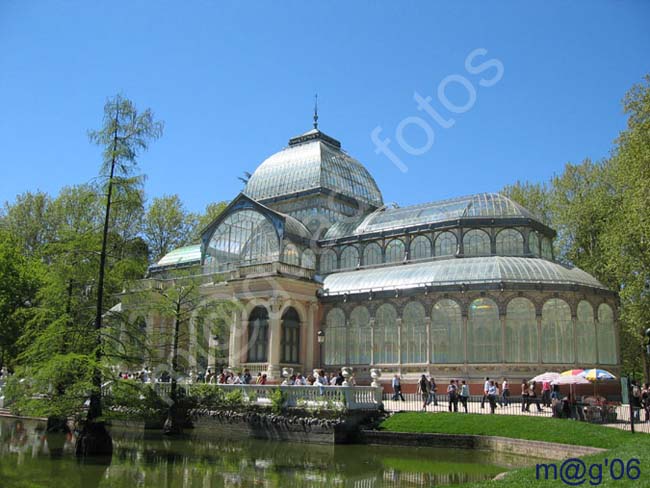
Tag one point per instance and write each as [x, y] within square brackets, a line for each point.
[635, 401]
[532, 396]
[464, 394]
[452, 393]
[423, 390]
[486, 387]
[525, 404]
[492, 396]
[397, 388]
[505, 392]
[433, 388]
[645, 401]
[546, 393]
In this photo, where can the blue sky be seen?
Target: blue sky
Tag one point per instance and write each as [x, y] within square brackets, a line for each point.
[233, 81]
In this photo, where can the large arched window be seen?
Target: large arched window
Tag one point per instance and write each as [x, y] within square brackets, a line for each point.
[557, 332]
[385, 335]
[510, 242]
[349, 258]
[395, 251]
[533, 243]
[476, 242]
[359, 345]
[308, 259]
[245, 236]
[547, 248]
[585, 333]
[335, 337]
[606, 335]
[447, 342]
[327, 261]
[414, 334]
[521, 332]
[290, 342]
[258, 335]
[372, 254]
[446, 244]
[420, 248]
[291, 255]
[484, 331]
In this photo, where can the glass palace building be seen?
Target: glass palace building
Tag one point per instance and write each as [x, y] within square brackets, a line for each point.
[461, 288]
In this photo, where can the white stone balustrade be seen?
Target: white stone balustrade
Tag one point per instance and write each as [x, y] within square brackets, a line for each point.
[335, 397]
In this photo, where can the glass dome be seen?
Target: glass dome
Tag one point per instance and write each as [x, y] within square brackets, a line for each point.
[312, 162]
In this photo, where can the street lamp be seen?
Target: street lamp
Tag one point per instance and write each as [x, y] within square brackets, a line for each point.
[321, 341]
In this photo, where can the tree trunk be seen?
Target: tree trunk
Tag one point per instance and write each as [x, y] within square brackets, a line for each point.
[174, 424]
[94, 439]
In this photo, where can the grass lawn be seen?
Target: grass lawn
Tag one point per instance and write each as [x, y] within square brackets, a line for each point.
[621, 445]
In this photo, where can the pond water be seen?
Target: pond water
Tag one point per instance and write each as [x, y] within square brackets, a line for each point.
[201, 459]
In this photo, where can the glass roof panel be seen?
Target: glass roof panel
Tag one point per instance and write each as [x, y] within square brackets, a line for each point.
[488, 269]
[316, 163]
[182, 255]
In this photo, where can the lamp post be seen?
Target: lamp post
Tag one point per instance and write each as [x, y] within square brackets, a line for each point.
[321, 341]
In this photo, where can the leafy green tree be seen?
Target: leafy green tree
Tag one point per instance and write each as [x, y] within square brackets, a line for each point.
[628, 235]
[28, 220]
[535, 197]
[212, 211]
[582, 201]
[125, 133]
[20, 280]
[167, 225]
[177, 301]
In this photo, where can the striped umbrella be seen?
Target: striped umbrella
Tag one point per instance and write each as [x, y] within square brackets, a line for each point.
[548, 376]
[595, 375]
[572, 372]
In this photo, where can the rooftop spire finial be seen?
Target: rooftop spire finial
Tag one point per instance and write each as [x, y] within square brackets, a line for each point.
[316, 111]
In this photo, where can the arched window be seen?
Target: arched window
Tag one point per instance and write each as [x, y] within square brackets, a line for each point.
[308, 259]
[349, 258]
[447, 342]
[606, 335]
[585, 333]
[385, 346]
[290, 343]
[547, 248]
[372, 254]
[359, 345]
[510, 242]
[476, 242]
[557, 332]
[245, 236]
[291, 255]
[335, 340]
[395, 251]
[414, 334]
[533, 243]
[327, 261]
[446, 244]
[521, 331]
[420, 248]
[484, 331]
[258, 333]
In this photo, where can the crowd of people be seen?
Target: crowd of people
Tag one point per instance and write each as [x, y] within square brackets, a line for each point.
[457, 392]
[229, 377]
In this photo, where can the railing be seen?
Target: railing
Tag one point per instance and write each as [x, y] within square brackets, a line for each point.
[255, 368]
[609, 413]
[322, 397]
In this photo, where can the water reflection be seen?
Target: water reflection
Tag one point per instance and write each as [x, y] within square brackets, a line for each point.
[204, 459]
